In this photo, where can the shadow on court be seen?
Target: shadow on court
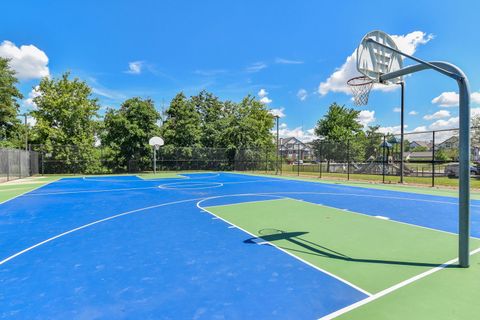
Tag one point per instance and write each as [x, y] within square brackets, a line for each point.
[312, 248]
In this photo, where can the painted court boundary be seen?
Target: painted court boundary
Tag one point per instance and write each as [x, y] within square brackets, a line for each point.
[392, 288]
[277, 247]
[371, 297]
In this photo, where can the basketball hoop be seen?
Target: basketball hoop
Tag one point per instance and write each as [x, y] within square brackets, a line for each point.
[361, 87]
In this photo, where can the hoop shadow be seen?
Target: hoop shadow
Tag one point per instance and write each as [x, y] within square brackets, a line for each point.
[319, 250]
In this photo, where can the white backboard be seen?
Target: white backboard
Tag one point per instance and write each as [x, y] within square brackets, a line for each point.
[374, 60]
[156, 142]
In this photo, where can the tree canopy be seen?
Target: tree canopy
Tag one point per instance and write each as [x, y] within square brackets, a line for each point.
[10, 126]
[66, 122]
[127, 131]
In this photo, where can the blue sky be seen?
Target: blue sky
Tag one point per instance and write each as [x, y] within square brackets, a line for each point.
[290, 49]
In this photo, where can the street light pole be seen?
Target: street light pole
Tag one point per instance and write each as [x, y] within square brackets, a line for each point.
[278, 120]
[26, 132]
[402, 119]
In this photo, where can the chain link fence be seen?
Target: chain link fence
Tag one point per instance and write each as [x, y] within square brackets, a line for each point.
[16, 164]
[428, 158]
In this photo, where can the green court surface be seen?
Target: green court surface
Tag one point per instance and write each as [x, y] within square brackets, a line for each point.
[17, 187]
[369, 252]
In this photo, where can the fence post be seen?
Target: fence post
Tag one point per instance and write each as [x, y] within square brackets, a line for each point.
[8, 164]
[266, 160]
[433, 159]
[298, 160]
[383, 160]
[348, 159]
[320, 156]
[19, 164]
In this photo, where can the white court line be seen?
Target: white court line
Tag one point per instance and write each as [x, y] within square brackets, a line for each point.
[392, 289]
[89, 191]
[91, 224]
[196, 185]
[323, 205]
[245, 202]
[27, 192]
[283, 250]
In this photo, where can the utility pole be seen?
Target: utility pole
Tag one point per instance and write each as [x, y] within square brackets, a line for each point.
[278, 145]
[402, 119]
[26, 132]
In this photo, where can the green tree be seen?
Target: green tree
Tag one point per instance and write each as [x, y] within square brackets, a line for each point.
[11, 130]
[249, 125]
[213, 119]
[343, 133]
[127, 131]
[339, 124]
[182, 124]
[66, 124]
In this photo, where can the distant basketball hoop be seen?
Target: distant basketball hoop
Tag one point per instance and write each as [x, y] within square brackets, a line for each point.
[155, 143]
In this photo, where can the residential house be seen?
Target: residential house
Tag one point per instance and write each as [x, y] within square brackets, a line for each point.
[293, 149]
[450, 143]
[420, 144]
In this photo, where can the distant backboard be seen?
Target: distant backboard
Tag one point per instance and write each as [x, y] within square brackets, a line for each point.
[374, 60]
[156, 142]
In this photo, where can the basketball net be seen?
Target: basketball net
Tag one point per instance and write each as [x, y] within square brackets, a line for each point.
[361, 87]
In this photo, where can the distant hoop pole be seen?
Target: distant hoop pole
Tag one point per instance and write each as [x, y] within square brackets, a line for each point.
[458, 75]
[156, 143]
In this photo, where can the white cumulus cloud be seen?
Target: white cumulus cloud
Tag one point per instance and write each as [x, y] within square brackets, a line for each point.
[262, 93]
[265, 100]
[278, 112]
[413, 113]
[298, 132]
[451, 99]
[397, 109]
[365, 117]
[28, 61]
[437, 115]
[28, 102]
[336, 82]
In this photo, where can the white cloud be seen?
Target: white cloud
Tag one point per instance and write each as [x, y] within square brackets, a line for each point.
[135, 67]
[444, 124]
[451, 99]
[28, 61]
[337, 81]
[392, 129]
[278, 112]
[397, 109]
[437, 115]
[29, 103]
[256, 67]
[265, 100]
[287, 61]
[298, 132]
[446, 99]
[302, 94]
[475, 97]
[413, 113]
[262, 93]
[365, 117]
[31, 121]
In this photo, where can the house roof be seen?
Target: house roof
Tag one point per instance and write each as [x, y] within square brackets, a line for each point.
[426, 144]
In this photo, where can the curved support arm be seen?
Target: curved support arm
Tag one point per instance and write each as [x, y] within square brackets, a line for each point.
[464, 146]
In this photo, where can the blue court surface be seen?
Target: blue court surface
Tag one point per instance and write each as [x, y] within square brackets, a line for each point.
[121, 247]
